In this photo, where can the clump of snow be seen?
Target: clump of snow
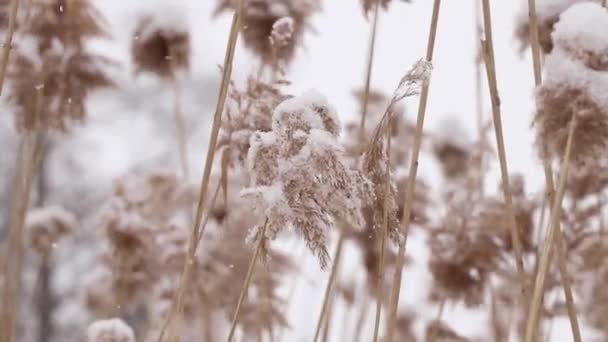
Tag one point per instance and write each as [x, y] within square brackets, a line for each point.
[545, 10]
[110, 330]
[301, 177]
[561, 70]
[282, 31]
[583, 27]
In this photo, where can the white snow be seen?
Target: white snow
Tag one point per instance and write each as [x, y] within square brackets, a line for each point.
[110, 330]
[584, 27]
[545, 9]
[562, 70]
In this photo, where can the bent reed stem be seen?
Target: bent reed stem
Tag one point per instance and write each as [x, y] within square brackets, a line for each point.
[536, 60]
[217, 120]
[411, 182]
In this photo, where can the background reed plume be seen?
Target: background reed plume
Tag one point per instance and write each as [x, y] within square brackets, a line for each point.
[107, 104]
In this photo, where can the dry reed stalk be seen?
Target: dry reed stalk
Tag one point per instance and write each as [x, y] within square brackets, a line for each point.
[535, 49]
[370, 65]
[411, 182]
[217, 120]
[254, 259]
[13, 262]
[539, 284]
[24, 174]
[479, 100]
[329, 287]
[366, 93]
[208, 215]
[8, 41]
[488, 54]
[327, 324]
[385, 213]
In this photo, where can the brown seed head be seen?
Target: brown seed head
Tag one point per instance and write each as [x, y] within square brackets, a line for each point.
[159, 48]
[259, 18]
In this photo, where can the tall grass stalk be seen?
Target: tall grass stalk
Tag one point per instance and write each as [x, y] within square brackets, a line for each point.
[15, 248]
[535, 49]
[479, 101]
[539, 284]
[411, 182]
[488, 54]
[366, 91]
[217, 120]
[329, 287]
[245, 288]
[8, 41]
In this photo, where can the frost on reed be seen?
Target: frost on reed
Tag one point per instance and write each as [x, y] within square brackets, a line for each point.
[248, 110]
[373, 164]
[265, 23]
[52, 72]
[109, 330]
[161, 43]
[300, 177]
[575, 83]
[548, 14]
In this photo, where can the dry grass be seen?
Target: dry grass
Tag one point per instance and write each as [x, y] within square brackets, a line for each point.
[176, 261]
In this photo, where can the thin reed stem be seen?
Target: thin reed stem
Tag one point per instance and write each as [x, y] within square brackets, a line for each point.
[217, 120]
[479, 102]
[366, 92]
[411, 182]
[535, 48]
[380, 275]
[539, 285]
[370, 65]
[254, 258]
[329, 287]
[8, 41]
[488, 53]
[29, 158]
[327, 324]
[13, 262]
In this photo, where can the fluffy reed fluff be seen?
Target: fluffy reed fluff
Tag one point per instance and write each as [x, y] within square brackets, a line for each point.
[52, 72]
[262, 17]
[248, 110]
[300, 177]
[574, 84]
[161, 44]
